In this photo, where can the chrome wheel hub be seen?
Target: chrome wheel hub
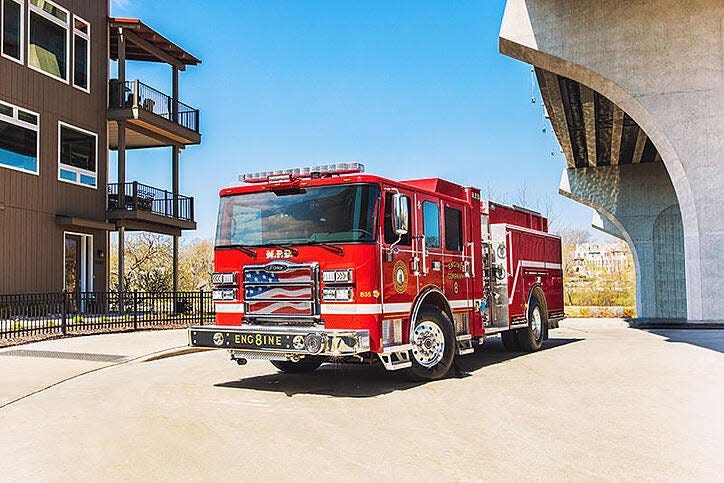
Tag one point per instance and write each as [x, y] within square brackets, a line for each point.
[536, 322]
[428, 343]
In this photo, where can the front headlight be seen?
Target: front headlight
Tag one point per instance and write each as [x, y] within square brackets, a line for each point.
[338, 276]
[223, 294]
[335, 294]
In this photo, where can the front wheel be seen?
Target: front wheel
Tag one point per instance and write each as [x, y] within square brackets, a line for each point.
[308, 364]
[433, 345]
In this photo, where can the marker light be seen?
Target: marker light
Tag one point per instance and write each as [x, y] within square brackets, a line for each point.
[306, 172]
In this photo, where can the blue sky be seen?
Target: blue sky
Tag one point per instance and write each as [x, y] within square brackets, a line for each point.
[410, 89]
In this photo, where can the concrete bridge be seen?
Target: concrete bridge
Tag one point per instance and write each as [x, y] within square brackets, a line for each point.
[635, 94]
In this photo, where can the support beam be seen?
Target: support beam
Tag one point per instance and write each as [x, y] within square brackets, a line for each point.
[639, 149]
[121, 258]
[174, 94]
[121, 163]
[589, 119]
[175, 268]
[616, 131]
[153, 50]
[551, 93]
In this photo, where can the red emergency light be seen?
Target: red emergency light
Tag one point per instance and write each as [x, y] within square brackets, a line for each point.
[283, 175]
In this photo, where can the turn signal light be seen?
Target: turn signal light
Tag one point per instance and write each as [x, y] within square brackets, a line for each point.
[223, 278]
[338, 276]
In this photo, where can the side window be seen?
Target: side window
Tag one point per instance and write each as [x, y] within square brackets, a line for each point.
[431, 224]
[390, 236]
[453, 229]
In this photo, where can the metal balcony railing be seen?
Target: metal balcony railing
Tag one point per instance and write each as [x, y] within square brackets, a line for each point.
[135, 196]
[134, 93]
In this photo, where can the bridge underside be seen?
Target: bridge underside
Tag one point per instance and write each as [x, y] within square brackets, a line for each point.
[614, 168]
[635, 94]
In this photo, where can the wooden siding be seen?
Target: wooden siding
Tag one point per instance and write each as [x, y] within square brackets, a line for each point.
[31, 243]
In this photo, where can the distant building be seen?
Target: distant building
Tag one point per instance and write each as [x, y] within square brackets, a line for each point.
[611, 256]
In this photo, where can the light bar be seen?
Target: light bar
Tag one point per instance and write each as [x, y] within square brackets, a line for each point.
[306, 172]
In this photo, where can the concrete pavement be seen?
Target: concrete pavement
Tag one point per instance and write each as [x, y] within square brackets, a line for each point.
[603, 401]
[28, 368]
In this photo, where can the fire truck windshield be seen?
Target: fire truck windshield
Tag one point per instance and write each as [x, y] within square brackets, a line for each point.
[322, 214]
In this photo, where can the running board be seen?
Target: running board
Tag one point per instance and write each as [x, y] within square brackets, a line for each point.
[465, 344]
[396, 357]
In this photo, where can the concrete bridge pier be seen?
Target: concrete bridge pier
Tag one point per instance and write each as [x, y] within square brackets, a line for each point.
[638, 84]
[639, 205]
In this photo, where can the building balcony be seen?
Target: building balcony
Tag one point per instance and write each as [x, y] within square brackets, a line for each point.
[153, 118]
[138, 206]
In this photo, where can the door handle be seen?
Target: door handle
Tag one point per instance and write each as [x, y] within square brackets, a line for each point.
[424, 255]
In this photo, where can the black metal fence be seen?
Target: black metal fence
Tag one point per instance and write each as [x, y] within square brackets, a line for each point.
[63, 313]
[138, 196]
[134, 93]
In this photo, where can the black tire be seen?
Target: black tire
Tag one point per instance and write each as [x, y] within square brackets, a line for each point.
[531, 337]
[440, 363]
[308, 364]
[510, 340]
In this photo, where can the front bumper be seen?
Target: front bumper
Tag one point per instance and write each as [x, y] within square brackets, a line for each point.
[302, 341]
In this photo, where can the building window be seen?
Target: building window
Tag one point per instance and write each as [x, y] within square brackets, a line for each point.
[453, 229]
[12, 30]
[19, 139]
[49, 27]
[431, 224]
[81, 54]
[77, 155]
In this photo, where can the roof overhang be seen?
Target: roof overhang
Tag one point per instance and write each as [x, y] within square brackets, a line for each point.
[146, 44]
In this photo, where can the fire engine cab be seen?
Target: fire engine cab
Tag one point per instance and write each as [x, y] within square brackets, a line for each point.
[328, 264]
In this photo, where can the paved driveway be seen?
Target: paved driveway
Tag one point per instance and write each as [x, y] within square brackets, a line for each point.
[602, 401]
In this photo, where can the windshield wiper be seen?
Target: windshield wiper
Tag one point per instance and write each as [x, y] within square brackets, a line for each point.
[332, 248]
[249, 251]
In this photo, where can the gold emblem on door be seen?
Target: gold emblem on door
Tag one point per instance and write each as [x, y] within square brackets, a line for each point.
[399, 276]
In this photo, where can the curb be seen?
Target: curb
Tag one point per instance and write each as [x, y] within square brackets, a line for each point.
[176, 351]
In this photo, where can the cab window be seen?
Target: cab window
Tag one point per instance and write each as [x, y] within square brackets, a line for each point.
[431, 224]
[390, 235]
[453, 229]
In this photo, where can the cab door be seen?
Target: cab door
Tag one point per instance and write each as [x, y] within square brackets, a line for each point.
[398, 265]
[428, 242]
[456, 254]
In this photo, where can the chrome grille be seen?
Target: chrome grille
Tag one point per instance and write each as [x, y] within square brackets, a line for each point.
[281, 290]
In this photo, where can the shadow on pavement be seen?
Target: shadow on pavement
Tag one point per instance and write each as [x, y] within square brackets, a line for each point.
[359, 381]
[712, 339]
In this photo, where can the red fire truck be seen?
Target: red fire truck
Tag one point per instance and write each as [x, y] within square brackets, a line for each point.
[328, 264]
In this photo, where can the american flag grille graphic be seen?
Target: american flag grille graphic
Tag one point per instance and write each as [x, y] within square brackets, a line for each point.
[285, 292]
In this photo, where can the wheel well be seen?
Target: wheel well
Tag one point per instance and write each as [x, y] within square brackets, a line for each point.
[537, 292]
[435, 298]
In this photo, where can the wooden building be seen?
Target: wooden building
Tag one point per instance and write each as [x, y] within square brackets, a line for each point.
[60, 114]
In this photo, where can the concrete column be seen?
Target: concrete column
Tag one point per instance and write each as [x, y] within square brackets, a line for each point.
[638, 204]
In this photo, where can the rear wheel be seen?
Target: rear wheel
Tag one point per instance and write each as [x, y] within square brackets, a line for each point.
[308, 364]
[531, 337]
[433, 345]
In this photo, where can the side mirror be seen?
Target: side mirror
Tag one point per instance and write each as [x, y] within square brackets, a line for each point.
[400, 214]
